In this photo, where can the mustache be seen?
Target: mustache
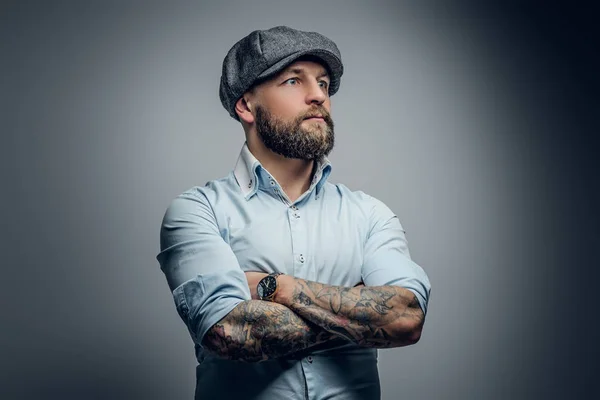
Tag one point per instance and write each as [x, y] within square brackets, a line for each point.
[316, 111]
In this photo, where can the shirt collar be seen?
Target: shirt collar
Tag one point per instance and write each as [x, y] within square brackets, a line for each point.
[248, 168]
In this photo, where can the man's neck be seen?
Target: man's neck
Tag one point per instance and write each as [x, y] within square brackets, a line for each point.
[294, 175]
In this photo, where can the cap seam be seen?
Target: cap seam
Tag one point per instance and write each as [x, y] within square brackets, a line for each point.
[260, 46]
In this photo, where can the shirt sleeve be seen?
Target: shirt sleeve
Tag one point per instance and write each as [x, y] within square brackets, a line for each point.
[387, 259]
[201, 269]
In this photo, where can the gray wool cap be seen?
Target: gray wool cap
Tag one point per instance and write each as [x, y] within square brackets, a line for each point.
[264, 53]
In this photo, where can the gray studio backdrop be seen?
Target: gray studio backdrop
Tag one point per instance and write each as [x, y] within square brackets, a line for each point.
[453, 120]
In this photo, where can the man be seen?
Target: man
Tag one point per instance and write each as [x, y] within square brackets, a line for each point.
[287, 283]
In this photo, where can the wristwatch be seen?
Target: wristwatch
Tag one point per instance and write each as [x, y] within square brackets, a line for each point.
[267, 286]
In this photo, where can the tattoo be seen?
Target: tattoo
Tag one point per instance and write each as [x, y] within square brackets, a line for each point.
[258, 330]
[382, 316]
[304, 299]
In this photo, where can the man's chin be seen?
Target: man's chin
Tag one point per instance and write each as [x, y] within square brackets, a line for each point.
[315, 129]
[314, 124]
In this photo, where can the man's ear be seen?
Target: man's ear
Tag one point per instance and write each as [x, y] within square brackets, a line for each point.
[243, 108]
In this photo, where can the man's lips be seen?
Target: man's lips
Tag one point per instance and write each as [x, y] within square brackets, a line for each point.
[315, 117]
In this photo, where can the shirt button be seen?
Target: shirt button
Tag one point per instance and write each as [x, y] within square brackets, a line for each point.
[301, 258]
[273, 183]
[309, 359]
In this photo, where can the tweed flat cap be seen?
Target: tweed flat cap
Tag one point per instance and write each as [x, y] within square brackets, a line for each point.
[264, 53]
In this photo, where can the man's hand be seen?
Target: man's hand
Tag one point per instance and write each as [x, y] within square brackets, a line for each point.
[253, 278]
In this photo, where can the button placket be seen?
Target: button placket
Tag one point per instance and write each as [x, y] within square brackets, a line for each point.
[299, 244]
[296, 212]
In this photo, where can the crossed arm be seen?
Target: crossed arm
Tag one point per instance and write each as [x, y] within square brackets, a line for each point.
[304, 314]
[375, 316]
[257, 330]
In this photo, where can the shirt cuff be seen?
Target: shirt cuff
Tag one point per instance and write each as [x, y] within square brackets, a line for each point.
[206, 299]
[412, 278]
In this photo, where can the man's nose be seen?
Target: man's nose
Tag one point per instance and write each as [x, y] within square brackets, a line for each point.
[316, 94]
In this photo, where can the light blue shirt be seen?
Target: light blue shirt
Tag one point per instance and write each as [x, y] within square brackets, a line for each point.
[244, 222]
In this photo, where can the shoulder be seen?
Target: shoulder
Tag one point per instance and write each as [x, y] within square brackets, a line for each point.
[374, 212]
[198, 201]
[367, 203]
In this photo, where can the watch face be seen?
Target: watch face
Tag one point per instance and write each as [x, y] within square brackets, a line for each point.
[266, 287]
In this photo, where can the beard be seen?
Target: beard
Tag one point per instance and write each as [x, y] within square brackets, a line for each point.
[291, 139]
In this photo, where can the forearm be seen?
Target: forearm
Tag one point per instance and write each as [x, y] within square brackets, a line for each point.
[381, 316]
[258, 330]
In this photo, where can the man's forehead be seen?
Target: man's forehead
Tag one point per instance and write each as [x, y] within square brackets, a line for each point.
[300, 66]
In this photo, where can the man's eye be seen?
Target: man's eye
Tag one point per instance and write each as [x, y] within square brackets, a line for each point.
[324, 84]
[292, 81]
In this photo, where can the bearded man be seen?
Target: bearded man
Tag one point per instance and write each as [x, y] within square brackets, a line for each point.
[287, 283]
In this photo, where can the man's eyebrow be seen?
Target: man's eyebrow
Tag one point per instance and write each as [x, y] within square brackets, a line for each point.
[324, 73]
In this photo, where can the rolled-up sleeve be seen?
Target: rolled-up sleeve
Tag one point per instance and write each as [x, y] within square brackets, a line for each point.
[386, 257]
[201, 269]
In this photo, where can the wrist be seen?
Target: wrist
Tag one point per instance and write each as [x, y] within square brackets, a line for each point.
[285, 287]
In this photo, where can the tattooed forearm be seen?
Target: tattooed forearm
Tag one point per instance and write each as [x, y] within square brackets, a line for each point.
[381, 316]
[258, 330]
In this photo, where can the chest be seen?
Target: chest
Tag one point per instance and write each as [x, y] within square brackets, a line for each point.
[323, 242]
